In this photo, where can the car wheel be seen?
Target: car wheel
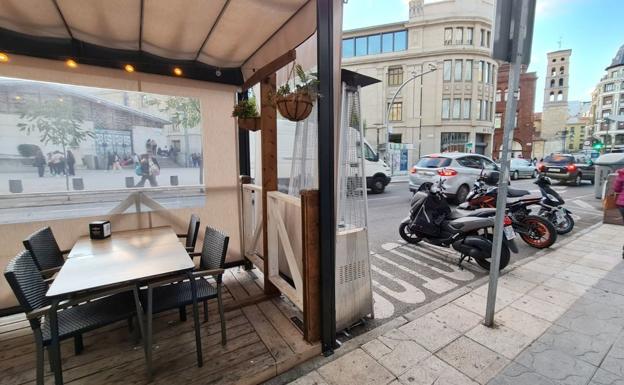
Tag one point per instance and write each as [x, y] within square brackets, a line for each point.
[462, 194]
[515, 175]
[378, 185]
[578, 180]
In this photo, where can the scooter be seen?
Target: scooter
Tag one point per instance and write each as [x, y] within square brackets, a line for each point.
[551, 206]
[432, 220]
[535, 230]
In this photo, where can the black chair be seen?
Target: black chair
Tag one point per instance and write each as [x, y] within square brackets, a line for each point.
[182, 290]
[45, 251]
[191, 234]
[67, 319]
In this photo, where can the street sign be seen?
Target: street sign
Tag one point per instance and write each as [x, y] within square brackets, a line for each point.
[468, 145]
[507, 18]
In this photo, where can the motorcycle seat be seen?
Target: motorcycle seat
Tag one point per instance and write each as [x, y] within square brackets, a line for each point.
[515, 193]
[459, 213]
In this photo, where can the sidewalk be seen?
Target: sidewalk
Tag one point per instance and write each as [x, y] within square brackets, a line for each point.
[560, 319]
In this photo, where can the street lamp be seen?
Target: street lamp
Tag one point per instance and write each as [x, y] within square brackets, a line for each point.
[415, 75]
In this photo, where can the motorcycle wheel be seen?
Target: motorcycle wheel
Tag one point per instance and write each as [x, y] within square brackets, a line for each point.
[407, 236]
[565, 227]
[540, 233]
[504, 257]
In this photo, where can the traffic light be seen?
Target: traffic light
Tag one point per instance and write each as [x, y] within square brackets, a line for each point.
[598, 145]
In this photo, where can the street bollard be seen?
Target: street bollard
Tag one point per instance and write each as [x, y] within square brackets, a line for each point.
[15, 186]
[77, 184]
[173, 180]
[129, 181]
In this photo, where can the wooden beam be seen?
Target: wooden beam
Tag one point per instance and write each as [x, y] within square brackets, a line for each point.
[269, 69]
[311, 265]
[268, 139]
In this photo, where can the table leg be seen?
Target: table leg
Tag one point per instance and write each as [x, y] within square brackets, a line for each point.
[148, 344]
[198, 345]
[139, 311]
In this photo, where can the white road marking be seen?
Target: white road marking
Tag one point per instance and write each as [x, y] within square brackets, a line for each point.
[584, 205]
[411, 294]
[382, 307]
[436, 285]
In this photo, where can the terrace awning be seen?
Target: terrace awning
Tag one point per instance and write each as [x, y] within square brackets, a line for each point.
[222, 41]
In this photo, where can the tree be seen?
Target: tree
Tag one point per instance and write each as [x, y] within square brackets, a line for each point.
[58, 121]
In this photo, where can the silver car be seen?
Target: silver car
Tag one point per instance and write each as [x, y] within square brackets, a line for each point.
[522, 168]
[460, 171]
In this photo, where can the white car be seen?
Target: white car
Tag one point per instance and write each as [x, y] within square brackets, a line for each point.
[460, 171]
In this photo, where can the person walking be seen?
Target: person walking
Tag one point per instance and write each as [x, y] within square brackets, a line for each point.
[116, 162]
[71, 161]
[150, 169]
[40, 163]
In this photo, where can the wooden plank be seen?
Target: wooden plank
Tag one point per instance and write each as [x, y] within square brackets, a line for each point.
[270, 69]
[285, 327]
[311, 265]
[246, 281]
[278, 348]
[288, 249]
[268, 133]
[287, 290]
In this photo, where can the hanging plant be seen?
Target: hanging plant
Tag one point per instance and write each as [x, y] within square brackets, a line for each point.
[247, 114]
[295, 104]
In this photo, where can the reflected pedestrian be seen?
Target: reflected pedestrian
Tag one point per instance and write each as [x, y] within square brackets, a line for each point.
[150, 169]
[109, 161]
[116, 162]
[71, 161]
[40, 163]
[618, 187]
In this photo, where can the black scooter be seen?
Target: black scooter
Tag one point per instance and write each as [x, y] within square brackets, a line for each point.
[551, 206]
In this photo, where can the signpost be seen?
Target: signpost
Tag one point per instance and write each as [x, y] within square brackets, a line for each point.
[512, 43]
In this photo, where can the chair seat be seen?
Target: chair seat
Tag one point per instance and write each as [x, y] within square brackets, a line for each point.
[91, 315]
[178, 294]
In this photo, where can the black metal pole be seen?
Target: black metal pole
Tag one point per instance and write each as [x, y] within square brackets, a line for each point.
[327, 213]
[243, 144]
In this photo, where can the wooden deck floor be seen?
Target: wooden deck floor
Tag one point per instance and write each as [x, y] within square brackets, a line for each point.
[262, 342]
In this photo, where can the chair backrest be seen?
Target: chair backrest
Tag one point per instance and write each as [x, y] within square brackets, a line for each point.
[25, 279]
[192, 232]
[44, 249]
[214, 250]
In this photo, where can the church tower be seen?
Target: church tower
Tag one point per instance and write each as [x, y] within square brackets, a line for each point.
[555, 107]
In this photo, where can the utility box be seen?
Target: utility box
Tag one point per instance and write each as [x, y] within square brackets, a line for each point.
[606, 164]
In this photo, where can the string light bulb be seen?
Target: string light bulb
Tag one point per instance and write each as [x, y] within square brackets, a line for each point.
[177, 71]
[4, 57]
[129, 68]
[71, 63]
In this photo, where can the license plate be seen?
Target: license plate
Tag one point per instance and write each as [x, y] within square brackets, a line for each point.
[553, 170]
[509, 233]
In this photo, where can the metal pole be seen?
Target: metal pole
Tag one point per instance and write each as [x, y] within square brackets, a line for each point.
[519, 34]
[420, 112]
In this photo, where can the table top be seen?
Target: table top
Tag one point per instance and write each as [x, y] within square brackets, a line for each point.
[125, 257]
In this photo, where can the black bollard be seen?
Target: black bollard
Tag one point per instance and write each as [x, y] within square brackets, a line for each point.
[173, 180]
[15, 186]
[129, 181]
[77, 184]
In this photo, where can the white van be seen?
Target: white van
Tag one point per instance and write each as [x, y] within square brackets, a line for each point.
[377, 171]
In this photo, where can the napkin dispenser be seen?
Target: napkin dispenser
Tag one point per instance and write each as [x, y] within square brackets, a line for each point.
[99, 229]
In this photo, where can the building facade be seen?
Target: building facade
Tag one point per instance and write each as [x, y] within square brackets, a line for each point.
[449, 109]
[578, 128]
[555, 108]
[524, 128]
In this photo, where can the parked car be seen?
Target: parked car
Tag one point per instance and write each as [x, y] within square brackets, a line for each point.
[568, 168]
[522, 168]
[460, 171]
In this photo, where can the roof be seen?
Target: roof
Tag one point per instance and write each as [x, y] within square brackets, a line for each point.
[217, 40]
[618, 60]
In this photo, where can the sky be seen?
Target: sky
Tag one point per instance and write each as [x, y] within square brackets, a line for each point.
[591, 28]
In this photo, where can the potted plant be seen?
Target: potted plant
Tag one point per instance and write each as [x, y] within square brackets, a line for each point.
[295, 104]
[247, 114]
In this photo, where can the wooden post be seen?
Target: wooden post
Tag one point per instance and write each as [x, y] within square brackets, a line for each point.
[311, 265]
[268, 134]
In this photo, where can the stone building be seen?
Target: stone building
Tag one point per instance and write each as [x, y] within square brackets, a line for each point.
[578, 128]
[555, 108]
[450, 109]
[524, 129]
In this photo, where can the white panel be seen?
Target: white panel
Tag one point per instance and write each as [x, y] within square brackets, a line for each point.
[178, 32]
[32, 17]
[110, 23]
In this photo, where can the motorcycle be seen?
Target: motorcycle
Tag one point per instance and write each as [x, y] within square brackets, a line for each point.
[432, 220]
[551, 206]
[535, 230]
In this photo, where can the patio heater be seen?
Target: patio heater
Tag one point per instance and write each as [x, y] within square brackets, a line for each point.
[354, 299]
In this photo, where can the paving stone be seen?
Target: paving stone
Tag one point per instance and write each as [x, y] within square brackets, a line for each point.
[605, 297]
[312, 378]
[500, 339]
[476, 303]
[566, 286]
[403, 356]
[516, 374]
[355, 368]
[502, 293]
[553, 296]
[555, 365]
[614, 361]
[376, 349]
[540, 268]
[516, 284]
[429, 332]
[602, 377]
[596, 263]
[552, 262]
[529, 275]
[580, 278]
[434, 371]
[520, 321]
[457, 317]
[588, 324]
[598, 310]
[473, 359]
[538, 308]
[591, 349]
[565, 256]
[393, 337]
[586, 270]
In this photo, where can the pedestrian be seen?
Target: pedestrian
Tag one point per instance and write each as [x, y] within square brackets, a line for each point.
[534, 161]
[109, 161]
[116, 162]
[149, 170]
[618, 187]
[71, 161]
[40, 163]
[154, 148]
[148, 145]
[58, 163]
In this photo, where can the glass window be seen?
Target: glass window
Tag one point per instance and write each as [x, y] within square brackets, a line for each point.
[348, 48]
[433, 162]
[395, 76]
[360, 46]
[448, 36]
[387, 42]
[481, 69]
[446, 107]
[482, 38]
[498, 120]
[400, 41]
[488, 37]
[458, 70]
[470, 162]
[374, 44]
[454, 141]
[491, 111]
[499, 95]
[396, 112]
[467, 108]
[459, 35]
[468, 70]
[469, 33]
[486, 76]
[609, 87]
[447, 70]
[456, 108]
[561, 82]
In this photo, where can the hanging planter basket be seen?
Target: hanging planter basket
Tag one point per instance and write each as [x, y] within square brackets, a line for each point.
[294, 106]
[250, 124]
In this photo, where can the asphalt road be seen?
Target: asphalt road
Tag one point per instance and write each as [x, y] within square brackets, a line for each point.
[408, 276]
